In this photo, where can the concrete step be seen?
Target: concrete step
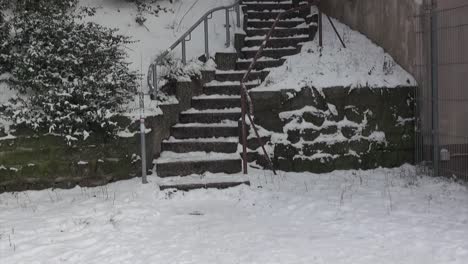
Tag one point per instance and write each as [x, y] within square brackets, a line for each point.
[209, 185]
[271, 53]
[276, 42]
[230, 88]
[182, 164]
[210, 115]
[278, 32]
[233, 76]
[261, 64]
[270, 15]
[253, 23]
[226, 145]
[267, 1]
[215, 101]
[200, 130]
[217, 181]
[263, 6]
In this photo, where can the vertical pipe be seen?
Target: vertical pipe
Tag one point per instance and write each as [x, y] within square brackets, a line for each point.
[184, 52]
[435, 92]
[320, 29]
[238, 15]
[155, 81]
[244, 130]
[144, 180]
[228, 33]
[207, 52]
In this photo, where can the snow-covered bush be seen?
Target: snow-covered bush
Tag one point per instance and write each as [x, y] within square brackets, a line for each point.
[146, 7]
[46, 7]
[75, 73]
[172, 70]
[4, 35]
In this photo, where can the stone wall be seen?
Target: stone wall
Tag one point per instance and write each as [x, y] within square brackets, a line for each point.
[336, 128]
[31, 160]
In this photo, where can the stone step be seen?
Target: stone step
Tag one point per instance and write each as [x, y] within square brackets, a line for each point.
[215, 101]
[276, 42]
[183, 164]
[210, 115]
[267, 1]
[252, 23]
[262, 6]
[226, 145]
[271, 53]
[229, 88]
[270, 15]
[277, 32]
[216, 181]
[200, 130]
[261, 64]
[232, 76]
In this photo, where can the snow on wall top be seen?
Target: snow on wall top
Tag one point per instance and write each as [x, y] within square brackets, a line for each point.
[361, 64]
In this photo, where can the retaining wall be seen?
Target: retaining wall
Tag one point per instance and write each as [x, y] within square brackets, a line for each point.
[336, 128]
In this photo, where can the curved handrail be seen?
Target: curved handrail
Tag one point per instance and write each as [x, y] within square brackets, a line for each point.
[152, 70]
[245, 94]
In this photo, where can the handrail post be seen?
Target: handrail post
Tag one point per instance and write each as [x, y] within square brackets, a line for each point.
[244, 130]
[320, 26]
[237, 8]
[207, 52]
[155, 80]
[184, 53]
[228, 33]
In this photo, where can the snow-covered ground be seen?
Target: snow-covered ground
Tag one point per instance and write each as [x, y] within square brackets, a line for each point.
[361, 64]
[378, 216]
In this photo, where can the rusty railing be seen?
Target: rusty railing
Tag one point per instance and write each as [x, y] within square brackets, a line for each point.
[246, 101]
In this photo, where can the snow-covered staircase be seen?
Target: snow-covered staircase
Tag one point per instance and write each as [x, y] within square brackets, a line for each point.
[206, 139]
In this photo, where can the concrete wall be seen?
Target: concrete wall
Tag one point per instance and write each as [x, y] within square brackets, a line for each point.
[389, 23]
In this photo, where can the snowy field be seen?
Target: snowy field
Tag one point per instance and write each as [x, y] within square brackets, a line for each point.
[379, 216]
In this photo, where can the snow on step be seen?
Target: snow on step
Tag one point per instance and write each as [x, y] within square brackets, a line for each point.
[262, 37]
[236, 72]
[171, 157]
[293, 19]
[268, 48]
[224, 123]
[207, 140]
[268, 10]
[216, 96]
[261, 59]
[210, 180]
[210, 111]
[301, 26]
[229, 83]
[250, 2]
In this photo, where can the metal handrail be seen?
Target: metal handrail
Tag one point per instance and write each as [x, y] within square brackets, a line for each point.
[152, 70]
[245, 97]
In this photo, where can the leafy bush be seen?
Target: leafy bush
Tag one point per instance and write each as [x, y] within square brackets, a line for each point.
[75, 73]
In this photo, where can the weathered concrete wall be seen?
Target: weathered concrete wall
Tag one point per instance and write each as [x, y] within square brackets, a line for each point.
[337, 128]
[389, 23]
